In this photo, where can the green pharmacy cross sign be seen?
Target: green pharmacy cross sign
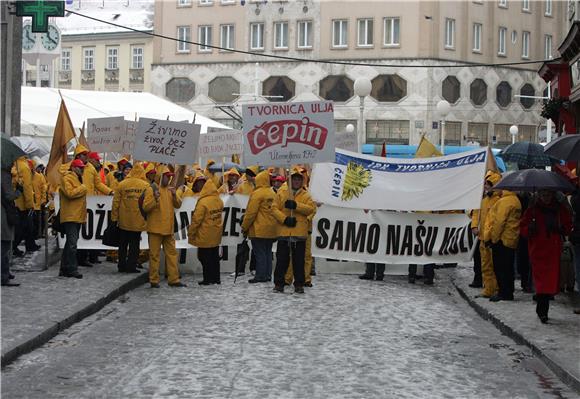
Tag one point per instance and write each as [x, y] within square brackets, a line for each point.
[40, 10]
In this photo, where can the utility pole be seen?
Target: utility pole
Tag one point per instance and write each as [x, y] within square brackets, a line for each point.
[11, 68]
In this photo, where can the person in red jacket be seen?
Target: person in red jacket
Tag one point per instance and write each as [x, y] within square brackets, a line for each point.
[544, 223]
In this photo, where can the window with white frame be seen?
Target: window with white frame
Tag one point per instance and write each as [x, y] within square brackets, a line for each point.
[65, 59]
[525, 44]
[112, 57]
[228, 1]
[137, 57]
[501, 40]
[183, 3]
[281, 35]
[305, 34]
[205, 2]
[548, 9]
[525, 5]
[391, 29]
[204, 38]
[365, 32]
[339, 33]
[449, 33]
[257, 36]
[89, 58]
[502, 3]
[477, 29]
[548, 47]
[184, 34]
[227, 37]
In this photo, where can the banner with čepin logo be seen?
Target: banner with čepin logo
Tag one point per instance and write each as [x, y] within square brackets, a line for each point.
[282, 134]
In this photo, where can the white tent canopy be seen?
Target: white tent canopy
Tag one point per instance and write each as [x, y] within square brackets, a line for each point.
[40, 109]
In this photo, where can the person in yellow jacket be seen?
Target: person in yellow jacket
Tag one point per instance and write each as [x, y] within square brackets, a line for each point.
[126, 213]
[81, 152]
[92, 178]
[260, 226]
[40, 186]
[22, 179]
[73, 213]
[249, 181]
[292, 211]
[211, 175]
[502, 232]
[159, 204]
[246, 186]
[478, 221]
[231, 179]
[205, 229]
[185, 191]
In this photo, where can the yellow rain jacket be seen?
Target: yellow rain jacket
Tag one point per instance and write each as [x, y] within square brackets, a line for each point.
[21, 174]
[73, 199]
[479, 216]
[65, 167]
[210, 175]
[40, 186]
[225, 189]
[92, 180]
[126, 201]
[205, 230]
[184, 192]
[259, 221]
[160, 213]
[305, 207]
[503, 221]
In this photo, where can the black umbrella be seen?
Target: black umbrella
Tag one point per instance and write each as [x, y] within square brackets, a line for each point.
[528, 155]
[534, 180]
[566, 147]
[10, 152]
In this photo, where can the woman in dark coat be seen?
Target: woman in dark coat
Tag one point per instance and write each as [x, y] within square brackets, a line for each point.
[544, 223]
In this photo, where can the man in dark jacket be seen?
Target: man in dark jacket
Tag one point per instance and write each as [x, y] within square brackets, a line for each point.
[9, 218]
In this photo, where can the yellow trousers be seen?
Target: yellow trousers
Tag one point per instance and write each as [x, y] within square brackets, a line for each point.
[168, 242]
[490, 287]
[289, 277]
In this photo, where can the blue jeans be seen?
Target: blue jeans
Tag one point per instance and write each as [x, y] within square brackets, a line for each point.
[68, 260]
[262, 248]
[577, 265]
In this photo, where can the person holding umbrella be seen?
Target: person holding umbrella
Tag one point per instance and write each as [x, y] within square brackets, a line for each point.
[544, 223]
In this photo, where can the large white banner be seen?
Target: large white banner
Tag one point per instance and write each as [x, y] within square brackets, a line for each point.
[128, 138]
[164, 141]
[288, 133]
[99, 215]
[105, 134]
[221, 143]
[391, 237]
[452, 182]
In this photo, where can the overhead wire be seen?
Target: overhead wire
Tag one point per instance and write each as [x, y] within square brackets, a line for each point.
[455, 64]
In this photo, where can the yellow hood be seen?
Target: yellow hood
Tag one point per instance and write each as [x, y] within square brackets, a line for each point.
[79, 149]
[263, 179]
[137, 172]
[209, 188]
[254, 168]
[492, 177]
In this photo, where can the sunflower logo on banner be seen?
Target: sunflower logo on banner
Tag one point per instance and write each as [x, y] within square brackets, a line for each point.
[357, 179]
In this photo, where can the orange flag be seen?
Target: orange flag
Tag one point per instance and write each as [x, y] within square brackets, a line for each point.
[491, 164]
[63, 133]
[83, 139]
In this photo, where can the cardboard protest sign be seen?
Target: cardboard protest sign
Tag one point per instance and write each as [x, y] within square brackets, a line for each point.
[347, 141]
[165, 141]
[221, 143]
[105, 134]
[288, 133]
[128, 138]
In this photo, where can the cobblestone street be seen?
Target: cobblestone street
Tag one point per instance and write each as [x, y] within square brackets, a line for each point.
[345, 338]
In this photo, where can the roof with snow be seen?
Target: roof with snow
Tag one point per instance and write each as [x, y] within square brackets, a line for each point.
[136, 14]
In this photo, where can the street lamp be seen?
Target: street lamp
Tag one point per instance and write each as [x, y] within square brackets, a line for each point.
[443, 108]
[349, 128]
[362, 88]
[514, 133]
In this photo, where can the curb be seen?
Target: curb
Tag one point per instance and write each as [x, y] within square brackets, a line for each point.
[45, 336]
[564, 375]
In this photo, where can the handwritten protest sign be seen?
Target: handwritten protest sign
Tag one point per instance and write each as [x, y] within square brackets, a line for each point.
[347, 141]
[104, 134]
[128, 138]
[221, 143]
[166, 141]
[287, 133]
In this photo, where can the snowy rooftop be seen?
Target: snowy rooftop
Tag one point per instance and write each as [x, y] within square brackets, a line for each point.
[136, 14]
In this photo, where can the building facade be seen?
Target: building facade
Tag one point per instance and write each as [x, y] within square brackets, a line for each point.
[99, 56]
[414, 52]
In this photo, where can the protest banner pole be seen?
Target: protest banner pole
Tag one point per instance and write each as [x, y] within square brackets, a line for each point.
[223, 169]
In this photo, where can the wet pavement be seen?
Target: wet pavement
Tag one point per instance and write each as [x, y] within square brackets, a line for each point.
[345, 338]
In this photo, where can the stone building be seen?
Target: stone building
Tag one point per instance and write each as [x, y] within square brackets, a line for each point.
[415, 53]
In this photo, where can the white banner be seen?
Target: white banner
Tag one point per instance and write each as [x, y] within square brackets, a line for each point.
[452, 182]
[164, 141]
[391, 237]
[128, 138]
[288, 133]
[99, 215]
[347, 141]
[221, 143]
[105, 134]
